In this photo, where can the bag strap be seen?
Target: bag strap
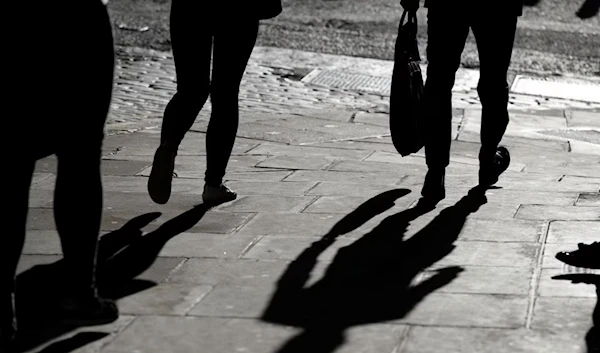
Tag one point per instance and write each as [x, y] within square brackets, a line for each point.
[411, 15]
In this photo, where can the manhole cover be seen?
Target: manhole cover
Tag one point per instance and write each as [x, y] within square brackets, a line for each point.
[350, 81]
[564, 88]
[591, 136]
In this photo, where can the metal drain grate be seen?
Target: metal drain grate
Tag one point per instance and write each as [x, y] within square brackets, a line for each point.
[350, 81]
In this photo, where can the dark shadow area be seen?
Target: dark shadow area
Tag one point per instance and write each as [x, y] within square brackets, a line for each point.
[592, 338]
[371, 280]
[123, 255]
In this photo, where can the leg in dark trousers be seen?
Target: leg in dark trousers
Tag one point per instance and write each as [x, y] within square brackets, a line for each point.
[232, 50]
[495, 36]
[448, 28]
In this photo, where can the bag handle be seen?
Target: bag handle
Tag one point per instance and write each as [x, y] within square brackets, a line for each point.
[412, 17]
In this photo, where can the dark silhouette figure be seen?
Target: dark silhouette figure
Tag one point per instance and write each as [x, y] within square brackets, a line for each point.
[61, 104]
[123, 255]
[494, 26]
[228, 33]
[370, 280]
[592, 338]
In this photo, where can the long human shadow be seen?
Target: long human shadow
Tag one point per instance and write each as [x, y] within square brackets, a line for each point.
[369, 281]
[592, 338]
[123, 255]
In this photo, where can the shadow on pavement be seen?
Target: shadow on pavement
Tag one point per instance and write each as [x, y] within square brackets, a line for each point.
[122, 256]
[592, 339]
[370, 280]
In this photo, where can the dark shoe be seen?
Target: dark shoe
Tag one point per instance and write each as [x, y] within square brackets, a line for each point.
[88, 311]
[586, 256]
[490, 172]
[161, 176]
[433, 188]
[215, 195]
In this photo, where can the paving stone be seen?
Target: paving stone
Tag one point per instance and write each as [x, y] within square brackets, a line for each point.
[40, 197]
[295, 162]
[164, 299]
[543, 212]
[487, 280]
[349, 189]
[284, 188]
[258, 175]
[568, 171]
[194, 166]
[572, 232]
[358, 144]
[122, 168]
[228, 300]
[372, 118]
[470, 310]
[206, 245]
[579, 118]
[347, 204]
[245, 272]
[268, 203]
[308, 151]
[589, 199]
[477, 253]
[373, 177]
[290, 224]
[483, 340]
[40, 219]
[529, 182]
[501, 231]
[355, 166]
[289, 247]
[563, 314]
[46, 165]
[150, 334]
[515, 141]
[550, 287]
[140, 184]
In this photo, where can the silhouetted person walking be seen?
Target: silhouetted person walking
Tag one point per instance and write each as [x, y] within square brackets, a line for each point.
[494, 25]
[61, 85]
[228, 31]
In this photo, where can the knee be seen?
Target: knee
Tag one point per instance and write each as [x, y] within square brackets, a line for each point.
[440, 80]
[493, 89]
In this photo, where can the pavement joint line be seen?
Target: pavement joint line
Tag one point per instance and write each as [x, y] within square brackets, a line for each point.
[314, 199]
[370, 154]
[537, 275]
[402, 340]
[250, 246]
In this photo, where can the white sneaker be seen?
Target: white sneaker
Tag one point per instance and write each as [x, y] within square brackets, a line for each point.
[217, 195]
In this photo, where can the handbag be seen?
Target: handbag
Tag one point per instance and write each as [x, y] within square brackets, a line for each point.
[406, 117]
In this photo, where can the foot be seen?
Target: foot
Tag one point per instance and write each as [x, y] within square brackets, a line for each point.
[586, 256]
[161, 176]
[490, 172]
[433, 189]
[88, 311]
[215, 195]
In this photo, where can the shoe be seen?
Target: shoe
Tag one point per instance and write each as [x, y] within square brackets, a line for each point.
[489, 173]
[87, 311]
[217, 195]
[161, 176]
[433, 188]
[586, 256]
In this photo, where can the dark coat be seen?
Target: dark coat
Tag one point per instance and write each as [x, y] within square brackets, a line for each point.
[261, 9]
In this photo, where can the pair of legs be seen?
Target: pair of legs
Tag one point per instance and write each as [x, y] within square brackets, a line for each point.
[448, 28]
[230, 42]
[73, 129]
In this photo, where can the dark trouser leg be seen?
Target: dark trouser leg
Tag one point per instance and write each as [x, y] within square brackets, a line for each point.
[191, 39]
[447, 32]
[495, 36]
[78, 192]
[11, 243]
[232, 50]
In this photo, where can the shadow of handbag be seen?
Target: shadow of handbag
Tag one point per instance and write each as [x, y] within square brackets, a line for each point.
[406, 97]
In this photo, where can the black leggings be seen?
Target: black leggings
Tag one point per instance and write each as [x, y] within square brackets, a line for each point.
[66, 115]
[195, 35]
